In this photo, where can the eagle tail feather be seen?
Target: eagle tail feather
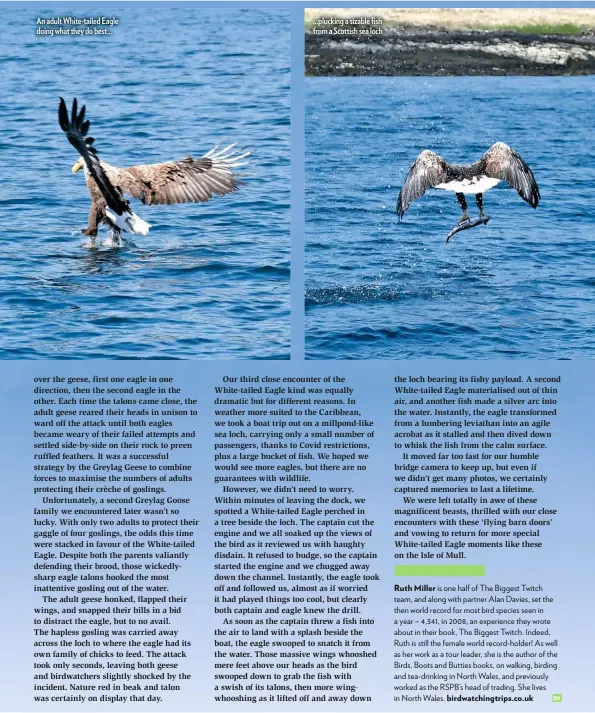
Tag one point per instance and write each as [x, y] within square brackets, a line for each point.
[129, 222]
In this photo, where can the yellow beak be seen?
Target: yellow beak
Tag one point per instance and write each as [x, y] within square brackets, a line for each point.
[78, 165]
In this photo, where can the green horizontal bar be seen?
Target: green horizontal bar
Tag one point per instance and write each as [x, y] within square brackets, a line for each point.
[440, 570]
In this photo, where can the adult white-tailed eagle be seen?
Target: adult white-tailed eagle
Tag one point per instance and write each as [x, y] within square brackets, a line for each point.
[187, 180]
[500, 163]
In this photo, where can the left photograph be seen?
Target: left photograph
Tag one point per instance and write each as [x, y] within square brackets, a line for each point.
[145, 190]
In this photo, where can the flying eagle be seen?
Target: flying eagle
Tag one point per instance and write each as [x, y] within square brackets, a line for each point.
[187, 180]
[500, 163]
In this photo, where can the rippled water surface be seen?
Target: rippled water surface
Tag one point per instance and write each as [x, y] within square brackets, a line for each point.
[522, 286]
[210, 280]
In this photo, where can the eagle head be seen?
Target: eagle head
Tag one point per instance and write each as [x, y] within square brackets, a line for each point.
[78, 165]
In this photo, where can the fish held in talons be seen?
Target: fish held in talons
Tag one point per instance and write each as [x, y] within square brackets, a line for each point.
[482, 220]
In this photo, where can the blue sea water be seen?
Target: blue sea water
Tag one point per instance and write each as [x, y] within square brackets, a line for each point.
[522, 286]
[210, 280]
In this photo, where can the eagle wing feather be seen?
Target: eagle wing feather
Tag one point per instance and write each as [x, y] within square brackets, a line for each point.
[502, 162]
[76, 129]
[428, 170]
[186, 180]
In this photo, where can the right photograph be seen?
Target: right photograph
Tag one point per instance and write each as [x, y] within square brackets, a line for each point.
[450, 183]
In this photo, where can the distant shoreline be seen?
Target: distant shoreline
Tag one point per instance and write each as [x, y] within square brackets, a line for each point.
[423, 51]
[449, 42]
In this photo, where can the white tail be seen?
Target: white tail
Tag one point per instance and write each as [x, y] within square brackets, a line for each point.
[129, 222]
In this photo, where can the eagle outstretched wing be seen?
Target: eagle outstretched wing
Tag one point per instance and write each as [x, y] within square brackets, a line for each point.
[427, 171]
[76, 129]
[504, 163]
[187, 180]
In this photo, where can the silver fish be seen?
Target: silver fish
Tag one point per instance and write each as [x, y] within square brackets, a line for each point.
[467, 224]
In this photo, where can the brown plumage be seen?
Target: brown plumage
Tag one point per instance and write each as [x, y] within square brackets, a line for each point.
[186, 180]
